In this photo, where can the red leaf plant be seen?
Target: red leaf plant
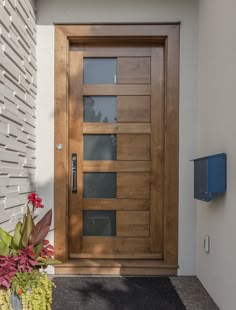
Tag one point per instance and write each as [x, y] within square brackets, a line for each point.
[26, 260]
[41, 229]
[8, 269]
[27, 249]
[47, 250]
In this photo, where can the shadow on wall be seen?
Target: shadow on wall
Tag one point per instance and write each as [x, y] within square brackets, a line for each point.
[45, 192]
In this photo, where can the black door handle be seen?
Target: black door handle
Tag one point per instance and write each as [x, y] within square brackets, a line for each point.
[74, 172]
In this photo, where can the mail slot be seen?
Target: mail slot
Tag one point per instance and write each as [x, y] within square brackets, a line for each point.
[209, 176]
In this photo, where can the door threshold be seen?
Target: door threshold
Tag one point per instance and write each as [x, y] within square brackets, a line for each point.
[116, 267]
[118, 256]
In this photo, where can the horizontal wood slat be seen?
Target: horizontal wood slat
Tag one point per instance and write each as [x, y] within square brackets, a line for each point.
[132, 223]
[116, 204]
[106, 33]
[117, 267]
[104, 128]
[119, 166]
[133, 185]
[116, 263]
[133, 147]
[112, 51]
[113, 245]
[117, 256]
[134, 109]
[134, 70]
[124, 271]
[116, 89]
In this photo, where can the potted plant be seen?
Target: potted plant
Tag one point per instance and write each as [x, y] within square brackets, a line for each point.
[24, 255]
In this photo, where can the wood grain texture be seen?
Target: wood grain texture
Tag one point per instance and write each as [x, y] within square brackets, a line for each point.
[134, 109]
[171, 190]
[113, 245]
[132, 223]
[133, 185]
[116, 256]
[116, 90]
[76, 146]
[132, 70]
[116, 166]
[116, 267]
[157, 149]
[133, 147]
[124, 271]
[141, 263]
[148, 33]
[60, 157]
[116, 204]
[168, 36]
[103, 128]
[112, 50]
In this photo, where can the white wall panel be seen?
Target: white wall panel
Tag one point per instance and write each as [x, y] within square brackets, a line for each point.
[216, 134]
[17, 107]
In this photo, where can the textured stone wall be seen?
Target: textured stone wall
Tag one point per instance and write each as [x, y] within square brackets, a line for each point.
[17, 108]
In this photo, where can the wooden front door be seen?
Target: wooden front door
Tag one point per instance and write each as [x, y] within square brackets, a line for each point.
[117, 128]
[116, 151]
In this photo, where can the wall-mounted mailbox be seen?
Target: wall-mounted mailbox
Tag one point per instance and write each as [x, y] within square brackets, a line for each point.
[209, 176]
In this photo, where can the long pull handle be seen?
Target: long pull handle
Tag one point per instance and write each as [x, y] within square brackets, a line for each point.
[74, 172]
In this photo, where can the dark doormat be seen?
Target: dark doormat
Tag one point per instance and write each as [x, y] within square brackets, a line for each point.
[111, 293]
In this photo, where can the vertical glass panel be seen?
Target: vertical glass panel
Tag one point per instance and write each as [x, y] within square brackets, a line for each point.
[99, 70]
[100, 109]
[99, 185]
[99, 147]
[99, 223]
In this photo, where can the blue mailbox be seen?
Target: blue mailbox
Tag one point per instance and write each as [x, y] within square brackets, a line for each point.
[209, 176]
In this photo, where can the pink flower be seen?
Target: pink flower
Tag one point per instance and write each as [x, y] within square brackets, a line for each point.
[35, 200]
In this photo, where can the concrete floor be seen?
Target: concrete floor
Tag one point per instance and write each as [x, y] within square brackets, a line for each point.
[193, 294]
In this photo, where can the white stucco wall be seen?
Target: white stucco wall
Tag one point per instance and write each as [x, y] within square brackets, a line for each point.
[80, 11]
[217, 110]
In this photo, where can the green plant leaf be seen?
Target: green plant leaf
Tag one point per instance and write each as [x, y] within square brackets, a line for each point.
[48, 261]
[27, 229]
[4, 248]
[4, 236]
[37, 249]
[16, 240]
[41, 259]
[52, 261]
[23, 225]
[41, 229]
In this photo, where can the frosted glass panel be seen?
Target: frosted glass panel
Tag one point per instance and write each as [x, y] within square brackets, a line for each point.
[99, 147]
[99, 223]
[99, 185]
[100, 109]
[99, 70]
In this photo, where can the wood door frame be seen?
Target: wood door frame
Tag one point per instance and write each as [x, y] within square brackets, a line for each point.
[168, 36]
